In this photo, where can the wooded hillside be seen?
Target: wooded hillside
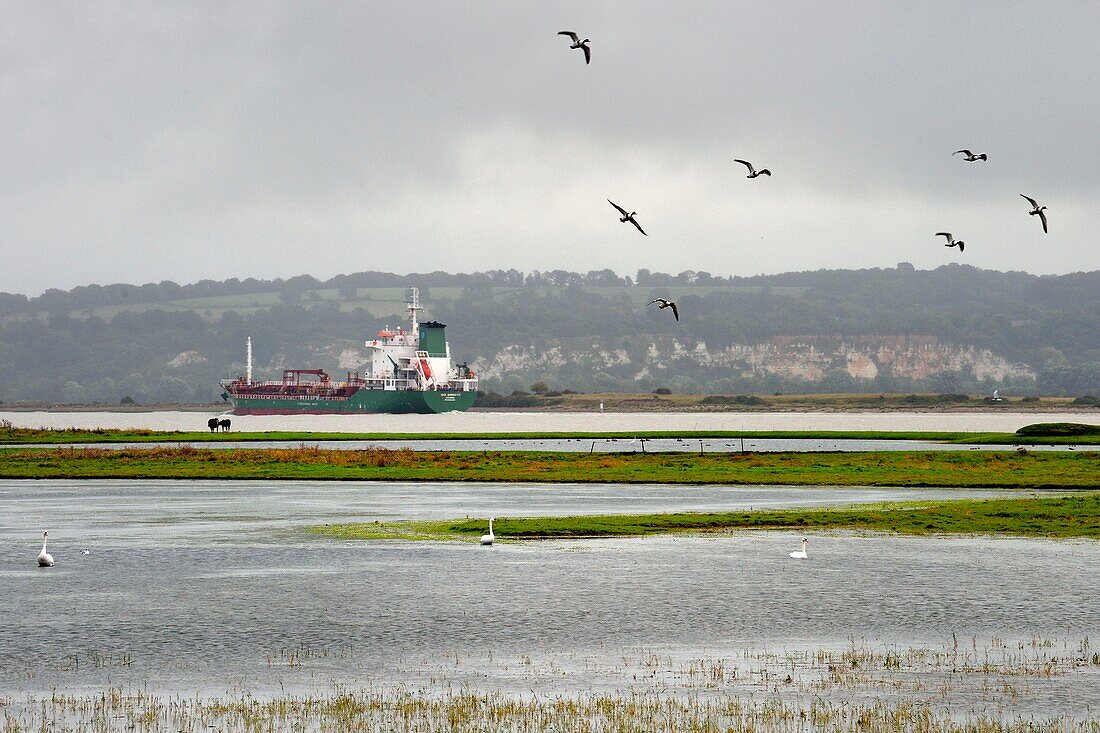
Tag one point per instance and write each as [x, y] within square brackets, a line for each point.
[953, 329]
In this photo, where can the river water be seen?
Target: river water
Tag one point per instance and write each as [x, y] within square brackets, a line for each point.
[207, 586]
[510, 422]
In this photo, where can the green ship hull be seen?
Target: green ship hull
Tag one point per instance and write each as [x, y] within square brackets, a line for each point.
[362, 402]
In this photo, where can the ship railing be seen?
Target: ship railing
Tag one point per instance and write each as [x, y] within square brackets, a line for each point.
[280, 384]
[299, 397]
[464, 385]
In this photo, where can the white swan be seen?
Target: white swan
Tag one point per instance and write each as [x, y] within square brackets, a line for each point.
[801, 554]
[487, 539]
[45, 559]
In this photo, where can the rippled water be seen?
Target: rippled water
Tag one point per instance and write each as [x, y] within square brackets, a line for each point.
[186, 513]
[508, 422]
[204, 586]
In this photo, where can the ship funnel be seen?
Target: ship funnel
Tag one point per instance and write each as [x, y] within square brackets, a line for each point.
[248, 363]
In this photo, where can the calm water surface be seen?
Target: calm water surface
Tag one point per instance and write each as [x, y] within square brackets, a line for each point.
[185, 513]
[210, 586]
[509, 422]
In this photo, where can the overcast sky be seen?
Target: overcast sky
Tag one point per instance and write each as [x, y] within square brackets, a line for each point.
[145, 141]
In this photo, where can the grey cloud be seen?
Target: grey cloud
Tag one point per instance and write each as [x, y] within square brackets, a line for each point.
[150, 141]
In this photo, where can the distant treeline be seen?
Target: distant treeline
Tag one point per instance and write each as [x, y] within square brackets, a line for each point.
[950, 281]
[140, 348]
[95, 296]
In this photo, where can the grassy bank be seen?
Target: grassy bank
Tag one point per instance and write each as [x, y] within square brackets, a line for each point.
[1063, 516]
[923, 468]
[75, 436]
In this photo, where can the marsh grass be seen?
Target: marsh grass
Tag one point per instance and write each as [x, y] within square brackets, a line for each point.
[299, 655]
[94, 659]
[987, 687]
[963, 469]
[1071, 516]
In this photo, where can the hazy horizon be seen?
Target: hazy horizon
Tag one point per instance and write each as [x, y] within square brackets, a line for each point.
[148, 142]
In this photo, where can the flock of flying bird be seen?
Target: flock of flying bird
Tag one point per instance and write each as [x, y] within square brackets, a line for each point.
[1036, 209]
[968, 155]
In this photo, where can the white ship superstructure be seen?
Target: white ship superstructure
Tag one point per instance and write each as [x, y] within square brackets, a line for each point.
[416, 359]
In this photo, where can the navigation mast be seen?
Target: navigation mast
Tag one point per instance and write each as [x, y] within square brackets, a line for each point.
[413, 306]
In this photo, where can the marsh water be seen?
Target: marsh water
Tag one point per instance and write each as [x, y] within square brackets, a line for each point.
[511, 422]
[208, 586]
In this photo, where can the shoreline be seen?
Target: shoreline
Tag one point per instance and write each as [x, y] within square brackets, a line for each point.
[662, 406]
[550, 422]
[1062, 517]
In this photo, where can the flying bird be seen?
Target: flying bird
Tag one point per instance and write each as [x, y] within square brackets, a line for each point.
[753, 173]
[1036, 209]
[578, 43]
[627, 217]
[969, 156]
[951, 241]
[663, 303]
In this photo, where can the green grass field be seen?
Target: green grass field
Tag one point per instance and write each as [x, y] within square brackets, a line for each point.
[909, 468]
[1060, 516]
[384, 301]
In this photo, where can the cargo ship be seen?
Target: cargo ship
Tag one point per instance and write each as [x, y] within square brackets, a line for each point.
[409, 371]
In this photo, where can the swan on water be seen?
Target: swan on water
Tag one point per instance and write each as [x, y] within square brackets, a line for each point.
[487, 539]
[45, 559]
[801, 554]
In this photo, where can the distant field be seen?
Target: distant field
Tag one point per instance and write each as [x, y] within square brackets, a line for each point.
[640, 293]
[381, 302]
